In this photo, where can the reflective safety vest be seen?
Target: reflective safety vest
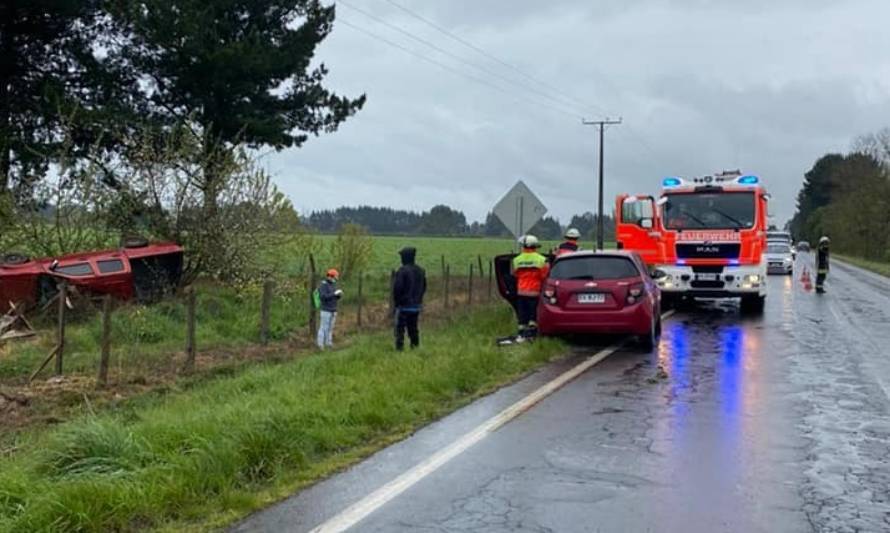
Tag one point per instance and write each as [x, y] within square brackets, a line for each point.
[530, 270]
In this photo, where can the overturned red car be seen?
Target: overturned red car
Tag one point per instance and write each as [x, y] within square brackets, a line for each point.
[138, 270]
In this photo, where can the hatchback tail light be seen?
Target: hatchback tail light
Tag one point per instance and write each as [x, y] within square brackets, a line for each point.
[550, 294]
[635, 293]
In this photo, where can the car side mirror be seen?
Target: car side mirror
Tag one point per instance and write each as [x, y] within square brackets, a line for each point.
[658, 274]
[646, 223]
[54, 265]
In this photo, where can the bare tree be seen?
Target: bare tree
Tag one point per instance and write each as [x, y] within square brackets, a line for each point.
[164, 198]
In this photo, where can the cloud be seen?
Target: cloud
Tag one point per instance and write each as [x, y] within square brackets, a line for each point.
[701, 85]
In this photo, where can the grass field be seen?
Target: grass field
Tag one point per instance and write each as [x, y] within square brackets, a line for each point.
[203, 456]
[457, 252]
[875, 266]
[228, 319]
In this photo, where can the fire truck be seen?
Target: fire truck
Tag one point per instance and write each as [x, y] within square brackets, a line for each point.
[703, 237]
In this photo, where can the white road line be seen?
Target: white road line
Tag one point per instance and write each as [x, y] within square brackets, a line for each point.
[370, 503]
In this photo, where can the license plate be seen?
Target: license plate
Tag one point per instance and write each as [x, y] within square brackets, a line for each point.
[592, 298]
[707, 277]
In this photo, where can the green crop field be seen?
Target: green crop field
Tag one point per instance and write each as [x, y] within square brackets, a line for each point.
[458, 252]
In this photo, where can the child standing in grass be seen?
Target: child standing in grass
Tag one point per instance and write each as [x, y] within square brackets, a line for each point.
[328, 297]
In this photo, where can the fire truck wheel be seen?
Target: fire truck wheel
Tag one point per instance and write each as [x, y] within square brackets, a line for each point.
[753, 304]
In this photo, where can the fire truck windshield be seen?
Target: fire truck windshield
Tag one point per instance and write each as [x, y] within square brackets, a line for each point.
[722, 210]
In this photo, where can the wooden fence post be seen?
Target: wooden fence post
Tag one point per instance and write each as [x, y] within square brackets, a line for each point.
[312, 287]
[443, 265]
[470, 287]
[481, 269]
[447, 286]
[391, 296]
[490, 278]
[106, 341]
[264, 311]
[190, 319]
[60, 350]
[360, 297]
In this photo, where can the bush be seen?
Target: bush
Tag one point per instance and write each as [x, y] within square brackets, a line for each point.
[352, 250]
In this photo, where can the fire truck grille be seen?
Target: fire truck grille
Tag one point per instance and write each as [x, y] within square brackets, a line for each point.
[719, 250]
[702, 284]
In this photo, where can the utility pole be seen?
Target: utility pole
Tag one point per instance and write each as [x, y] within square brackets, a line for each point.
[599, 216]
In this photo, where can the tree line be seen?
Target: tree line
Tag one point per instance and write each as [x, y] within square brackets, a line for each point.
[443, 220]
[847, 198]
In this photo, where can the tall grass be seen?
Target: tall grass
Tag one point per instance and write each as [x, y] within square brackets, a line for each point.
[214, 452]
[879, 267]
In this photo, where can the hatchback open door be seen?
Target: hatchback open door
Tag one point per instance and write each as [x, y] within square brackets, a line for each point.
[504, 277]
[637, 227]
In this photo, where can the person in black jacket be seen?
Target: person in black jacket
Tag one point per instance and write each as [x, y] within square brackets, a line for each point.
[822, 264]
[408, 289]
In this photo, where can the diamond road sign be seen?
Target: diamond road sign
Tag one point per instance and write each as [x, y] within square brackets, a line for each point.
[519, 209]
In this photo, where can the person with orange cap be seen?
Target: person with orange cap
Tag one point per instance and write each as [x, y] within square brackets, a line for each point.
[327, 297]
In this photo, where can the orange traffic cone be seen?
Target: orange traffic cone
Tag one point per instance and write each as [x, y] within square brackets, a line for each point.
[806, 280]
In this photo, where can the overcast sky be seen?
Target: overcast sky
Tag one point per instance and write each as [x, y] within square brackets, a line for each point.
[766, 86]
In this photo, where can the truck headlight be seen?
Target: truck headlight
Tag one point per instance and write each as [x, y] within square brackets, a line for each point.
[752, 278]
[666, 282]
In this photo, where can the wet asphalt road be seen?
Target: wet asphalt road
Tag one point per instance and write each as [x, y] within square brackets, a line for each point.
[771, 423]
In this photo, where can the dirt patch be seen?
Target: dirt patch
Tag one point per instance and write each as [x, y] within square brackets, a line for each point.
[13, 406]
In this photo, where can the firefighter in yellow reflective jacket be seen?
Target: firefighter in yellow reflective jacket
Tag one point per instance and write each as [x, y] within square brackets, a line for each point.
[822, 265]
[530, 270]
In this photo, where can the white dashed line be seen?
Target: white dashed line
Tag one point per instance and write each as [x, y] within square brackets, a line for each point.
[370, 503]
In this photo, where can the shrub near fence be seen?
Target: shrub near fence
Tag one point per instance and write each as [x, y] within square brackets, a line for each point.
[207, 325]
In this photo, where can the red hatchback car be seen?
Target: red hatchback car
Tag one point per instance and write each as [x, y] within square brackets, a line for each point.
[601, 292]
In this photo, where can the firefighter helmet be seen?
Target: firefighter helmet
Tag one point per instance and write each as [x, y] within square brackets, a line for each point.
[573, 234]
[529, 241]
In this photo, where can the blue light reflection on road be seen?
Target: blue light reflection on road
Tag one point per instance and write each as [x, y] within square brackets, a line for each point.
[723, 349]
[730, 369]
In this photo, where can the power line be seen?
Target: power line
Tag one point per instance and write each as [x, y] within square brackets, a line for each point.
[599, 215]
[492, 57]
[604, 80]
[451, 69]
[564, 96]
[456, 57]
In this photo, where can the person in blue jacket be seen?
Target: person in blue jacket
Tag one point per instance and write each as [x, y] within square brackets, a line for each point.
[329, 296]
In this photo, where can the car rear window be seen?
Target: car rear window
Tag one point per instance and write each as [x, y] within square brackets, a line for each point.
[110, 266]
[77, 269]
[594, 268]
